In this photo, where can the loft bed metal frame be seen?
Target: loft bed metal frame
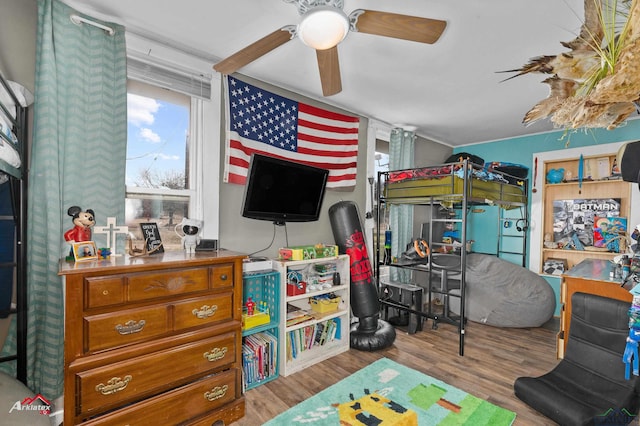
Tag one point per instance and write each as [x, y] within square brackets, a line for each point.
[458, 189]
[18, 185]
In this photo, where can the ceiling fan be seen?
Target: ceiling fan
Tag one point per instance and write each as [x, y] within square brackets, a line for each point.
[324, 25]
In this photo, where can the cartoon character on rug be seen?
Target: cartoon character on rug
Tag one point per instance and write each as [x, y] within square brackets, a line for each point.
[374, 408]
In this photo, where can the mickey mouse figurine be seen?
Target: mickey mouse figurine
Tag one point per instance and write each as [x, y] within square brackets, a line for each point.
[191, 228]
[83, 221]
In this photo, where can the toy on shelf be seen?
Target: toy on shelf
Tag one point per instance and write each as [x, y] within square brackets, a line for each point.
[255, 314]
[250, 306]
[296, 283]
[104, 253]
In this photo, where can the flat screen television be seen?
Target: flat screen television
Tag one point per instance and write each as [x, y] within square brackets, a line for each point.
[283, 191]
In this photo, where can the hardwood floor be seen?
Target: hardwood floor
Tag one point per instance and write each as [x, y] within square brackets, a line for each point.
[493, 359]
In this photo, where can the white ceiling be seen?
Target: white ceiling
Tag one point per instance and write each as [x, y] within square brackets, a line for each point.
[451, 90]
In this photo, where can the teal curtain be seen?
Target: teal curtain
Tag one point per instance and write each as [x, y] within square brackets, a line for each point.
[78, 158]
[401, 156]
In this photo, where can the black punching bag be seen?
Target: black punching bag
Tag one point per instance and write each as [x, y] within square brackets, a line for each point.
[370, 333]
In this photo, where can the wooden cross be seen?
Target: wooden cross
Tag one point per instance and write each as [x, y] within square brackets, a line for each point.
[111, 230]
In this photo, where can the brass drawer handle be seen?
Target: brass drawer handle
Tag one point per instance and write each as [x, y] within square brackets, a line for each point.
[216, 354]
[205, 311]
[115, 384]
[216, 393]
[130, 327]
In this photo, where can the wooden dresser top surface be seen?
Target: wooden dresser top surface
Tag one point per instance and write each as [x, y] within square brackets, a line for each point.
[168, 259]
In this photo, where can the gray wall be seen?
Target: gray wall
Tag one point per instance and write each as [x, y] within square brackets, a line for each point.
[430, 153]
[18, 23]
[427, 153]
[249, 235]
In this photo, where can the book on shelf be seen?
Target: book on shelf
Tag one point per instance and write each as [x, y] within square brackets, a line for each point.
[335, 334]
[319, 329]
[314, 335]
[323, 337]
[259, 357]
[298, 316]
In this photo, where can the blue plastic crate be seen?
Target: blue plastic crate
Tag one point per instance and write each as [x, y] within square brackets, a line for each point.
[263, 287]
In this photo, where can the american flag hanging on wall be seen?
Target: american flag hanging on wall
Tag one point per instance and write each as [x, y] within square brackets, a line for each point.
[263, 122]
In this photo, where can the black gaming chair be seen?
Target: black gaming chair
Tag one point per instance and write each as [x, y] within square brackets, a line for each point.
[588, 387]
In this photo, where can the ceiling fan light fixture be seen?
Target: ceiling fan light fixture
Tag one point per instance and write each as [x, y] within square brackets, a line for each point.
[323, 27]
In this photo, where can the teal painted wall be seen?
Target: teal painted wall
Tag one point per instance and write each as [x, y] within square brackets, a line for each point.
[482, 226]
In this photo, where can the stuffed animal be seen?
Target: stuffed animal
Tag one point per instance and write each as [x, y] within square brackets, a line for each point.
[83, 221]
[190, 228]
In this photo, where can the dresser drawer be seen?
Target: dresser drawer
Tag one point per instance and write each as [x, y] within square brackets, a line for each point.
[110, 330]
[123, 382]
[104, 291]
[203, 311]
[222, 276]
[177, 406]
[147, 286]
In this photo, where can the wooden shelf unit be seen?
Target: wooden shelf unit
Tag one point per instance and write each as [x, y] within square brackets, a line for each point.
[588, 189]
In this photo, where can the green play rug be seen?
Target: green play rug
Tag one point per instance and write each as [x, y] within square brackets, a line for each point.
[386, 393]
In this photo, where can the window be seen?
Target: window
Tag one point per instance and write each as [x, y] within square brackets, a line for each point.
[382, 165]
[158, 165]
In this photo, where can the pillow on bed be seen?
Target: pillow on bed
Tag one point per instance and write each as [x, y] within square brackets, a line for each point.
[455, 158]
[503, 294]
[24, 96]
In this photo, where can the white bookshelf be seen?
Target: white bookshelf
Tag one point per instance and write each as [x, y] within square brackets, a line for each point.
[290, 363]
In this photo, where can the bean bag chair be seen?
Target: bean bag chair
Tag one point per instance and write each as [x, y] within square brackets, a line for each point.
[503, 294]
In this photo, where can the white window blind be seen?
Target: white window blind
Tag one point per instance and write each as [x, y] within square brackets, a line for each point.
[181, 81]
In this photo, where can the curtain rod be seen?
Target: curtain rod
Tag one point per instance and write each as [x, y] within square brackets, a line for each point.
[79, 20]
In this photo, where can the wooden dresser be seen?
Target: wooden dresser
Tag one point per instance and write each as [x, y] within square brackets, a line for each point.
[589, 276]
[154, 340]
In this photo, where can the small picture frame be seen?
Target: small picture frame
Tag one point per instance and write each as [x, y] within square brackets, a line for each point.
[151, 235]
[85, 250]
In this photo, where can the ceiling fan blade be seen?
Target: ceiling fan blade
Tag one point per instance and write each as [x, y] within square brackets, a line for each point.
[329, 67]
[413, 28]
[254, 51]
